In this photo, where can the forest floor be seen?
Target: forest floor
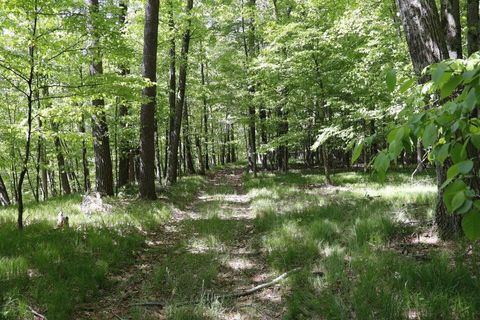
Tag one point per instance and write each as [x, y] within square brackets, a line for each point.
[206, 250]
[360, 249]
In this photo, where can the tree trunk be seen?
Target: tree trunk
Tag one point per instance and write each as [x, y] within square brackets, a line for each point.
[427, 45]
[473, 25]
[4, 198]
[147, 118]
[205, 115]
[187, 142]
[86, 169]
[232, 144]
[451, 27]
[63, 174]
[101, 140]
[201, 159]
[124, 146]
[172, 173]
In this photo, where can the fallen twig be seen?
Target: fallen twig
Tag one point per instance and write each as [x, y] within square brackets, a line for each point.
[35, 313]
[225, 296]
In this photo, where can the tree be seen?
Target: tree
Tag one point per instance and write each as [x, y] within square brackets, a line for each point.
[427, 46]
[473, 26]
[174, 140]
[101, 138]
[147, 119]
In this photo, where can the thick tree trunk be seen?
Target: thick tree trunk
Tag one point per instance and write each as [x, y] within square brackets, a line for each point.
[172, 173]
[473, 25]
[101, 139]
[451, 27]
[427, 45]
[147, 113]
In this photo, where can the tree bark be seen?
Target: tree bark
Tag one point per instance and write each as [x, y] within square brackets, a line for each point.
[64, 182]
[187, 141]
[101, 139]
[147, 118]
[86, 170]
[427, 46]
[205, 114]
[124, 146]
[473, 25]
[4, 198]
[172, 173]
[451, 27]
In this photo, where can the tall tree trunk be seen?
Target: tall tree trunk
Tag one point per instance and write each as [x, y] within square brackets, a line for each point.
[101, 139]
[451, 27]
[172, 173]
[201, 159]
[232, 143]
[124, 146]
[426, 45]
[205, 114]
[147, 119]
[250, 52]
[4, 198]
[187, 142]
[473, 25]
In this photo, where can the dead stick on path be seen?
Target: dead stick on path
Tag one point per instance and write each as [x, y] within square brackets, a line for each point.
[227, 296]
[35, 313]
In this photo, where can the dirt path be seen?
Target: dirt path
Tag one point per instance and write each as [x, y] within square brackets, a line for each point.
[218, 224]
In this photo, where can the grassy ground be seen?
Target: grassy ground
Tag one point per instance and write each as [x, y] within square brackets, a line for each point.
[367, 240]
[366, 251]
[53, 271]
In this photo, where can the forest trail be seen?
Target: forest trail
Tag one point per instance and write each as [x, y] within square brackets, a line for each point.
[217, 229]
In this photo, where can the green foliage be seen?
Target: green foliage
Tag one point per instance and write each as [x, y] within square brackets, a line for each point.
[449, 130]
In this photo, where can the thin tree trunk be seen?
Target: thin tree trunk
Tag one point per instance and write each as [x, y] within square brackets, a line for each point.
[187, 142]
[179, 103]
[86, 170]
[205, 114]
[64, 183]
[124, 146]
[147, 119]
[101, 140]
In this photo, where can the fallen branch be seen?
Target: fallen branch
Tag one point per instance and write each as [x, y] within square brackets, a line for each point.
[227, 296]
[36, 314]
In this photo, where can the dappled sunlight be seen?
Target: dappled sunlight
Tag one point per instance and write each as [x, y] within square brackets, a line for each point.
[206, 244]
[239, 263]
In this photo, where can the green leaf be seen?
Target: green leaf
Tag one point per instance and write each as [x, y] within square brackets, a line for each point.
[391, 79]
[442, 153]
[448, 88]
[458, 153]
[451, 191]
[406, 85]
[465, 166]
[471, 225]
[475, 138]
[438, 72]
[452, 172]
[357, 151]
[381, 164]
[429, 135]
[458, 201]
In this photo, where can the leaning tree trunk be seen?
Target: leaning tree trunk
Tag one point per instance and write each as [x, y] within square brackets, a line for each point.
[147, 119]
[427, 46]
[172, 173]
[473, 25]
[101, 139]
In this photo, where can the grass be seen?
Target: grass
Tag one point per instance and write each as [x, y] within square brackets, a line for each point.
[54, 270]
[350, 232]
[347, 232]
